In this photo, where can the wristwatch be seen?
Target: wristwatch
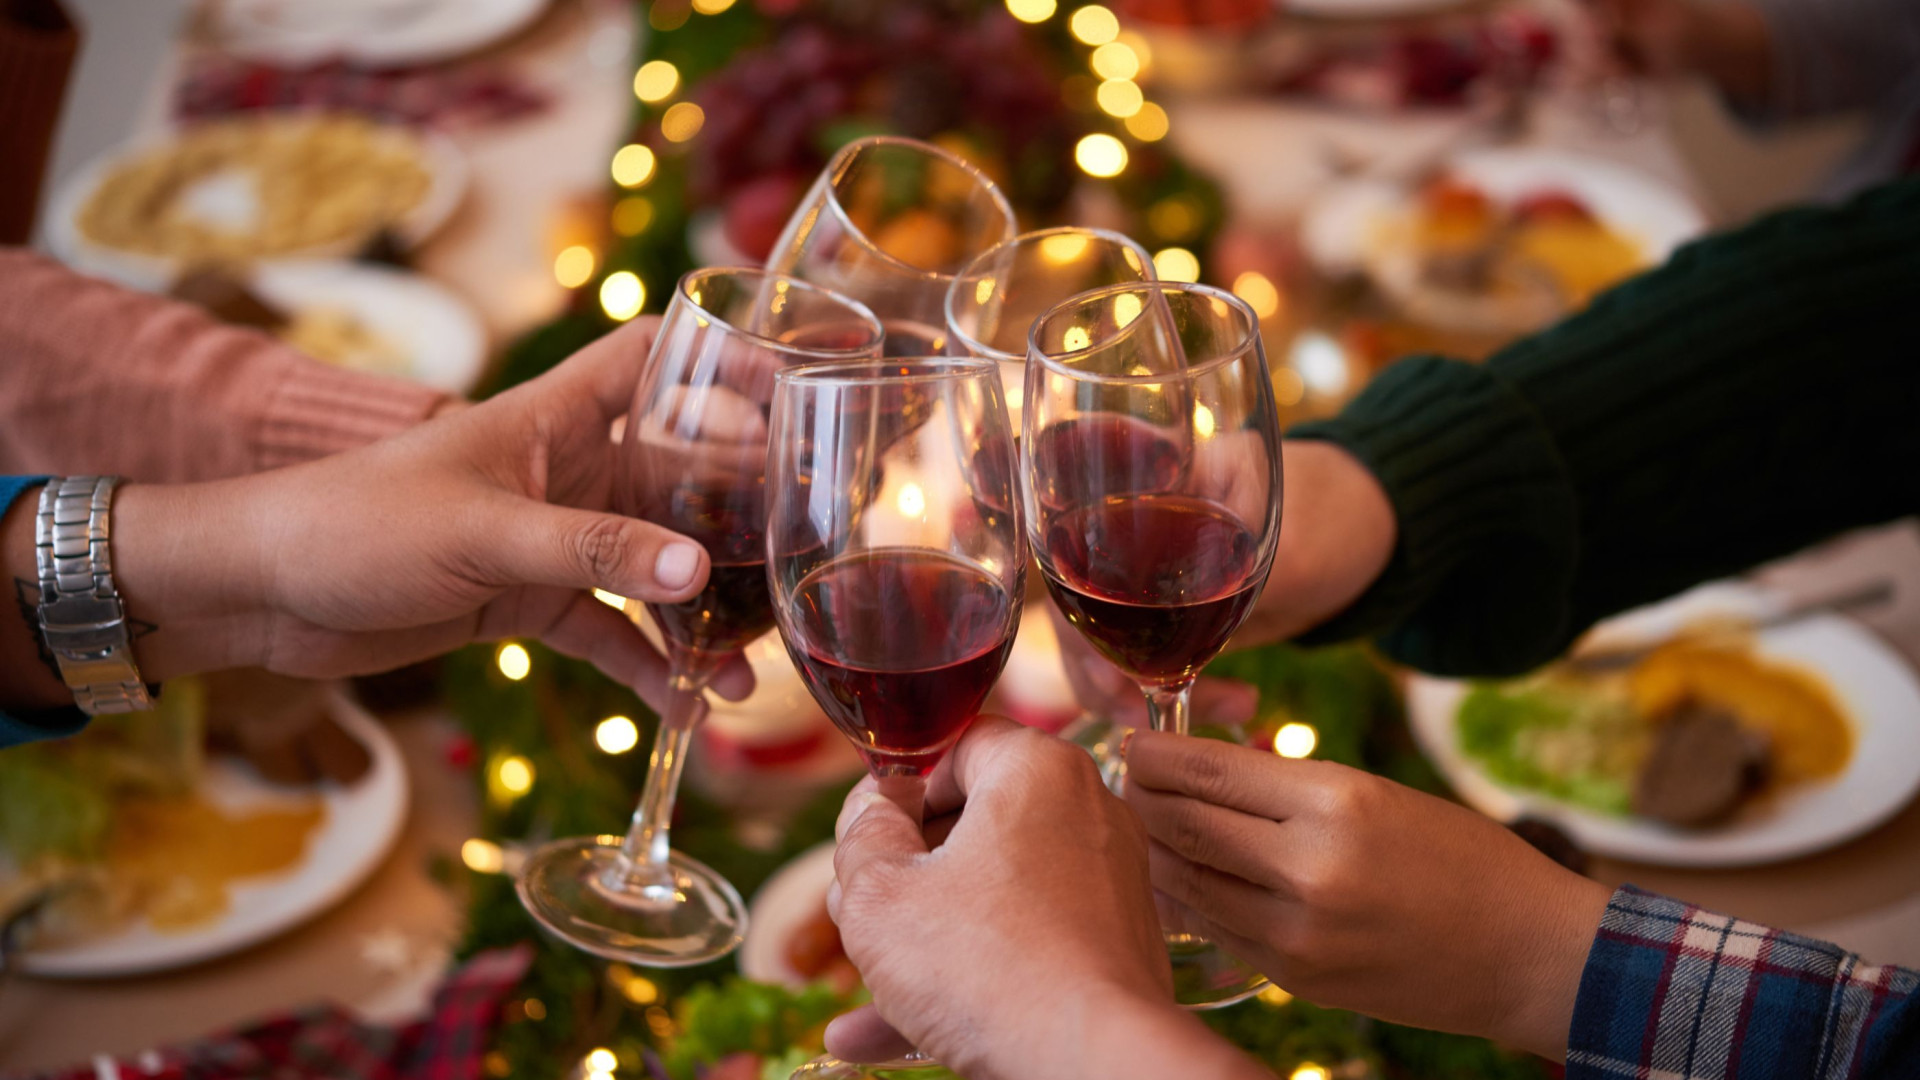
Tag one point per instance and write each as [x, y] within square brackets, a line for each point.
[81, 616]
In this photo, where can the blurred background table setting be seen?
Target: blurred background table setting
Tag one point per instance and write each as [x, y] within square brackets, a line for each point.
[459, 193]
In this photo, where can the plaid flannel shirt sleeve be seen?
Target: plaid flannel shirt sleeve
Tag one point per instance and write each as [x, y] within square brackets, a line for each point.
[1673, 992]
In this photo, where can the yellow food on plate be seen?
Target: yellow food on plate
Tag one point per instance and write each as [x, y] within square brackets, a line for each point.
[175, 859]
[1582, 257]
[256, 187]
[1807, 734]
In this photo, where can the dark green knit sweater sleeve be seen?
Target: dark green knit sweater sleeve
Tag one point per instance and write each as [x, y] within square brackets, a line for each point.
[1757, 393]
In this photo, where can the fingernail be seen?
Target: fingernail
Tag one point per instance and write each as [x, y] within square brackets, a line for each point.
[676, 565]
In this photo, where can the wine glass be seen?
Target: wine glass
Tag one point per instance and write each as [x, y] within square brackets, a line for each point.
[1151, 451]
[897, 567]
[693, 458]
[993, 302]
[889, 223]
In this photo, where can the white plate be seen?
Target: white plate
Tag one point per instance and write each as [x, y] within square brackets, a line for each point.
[444, 342]
[363, 821]
[447, 184]
[1338, 227]
[370, 33]
[793, 895]
[1876, 688]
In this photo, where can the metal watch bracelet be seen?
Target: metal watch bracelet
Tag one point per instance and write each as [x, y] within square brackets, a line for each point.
[81, 616]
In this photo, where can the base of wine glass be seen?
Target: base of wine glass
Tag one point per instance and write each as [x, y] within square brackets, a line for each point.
[828, 1067]
[572, 887]
[1205, 976]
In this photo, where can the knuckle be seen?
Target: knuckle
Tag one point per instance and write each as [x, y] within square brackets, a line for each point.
[1211, 775]
[1187, 834]
[601, 547]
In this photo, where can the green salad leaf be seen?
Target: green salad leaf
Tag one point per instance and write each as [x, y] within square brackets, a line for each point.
[1572, 743]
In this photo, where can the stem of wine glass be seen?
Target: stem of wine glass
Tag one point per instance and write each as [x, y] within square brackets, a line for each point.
[907, 790]
[1169, 708]
[642, 866]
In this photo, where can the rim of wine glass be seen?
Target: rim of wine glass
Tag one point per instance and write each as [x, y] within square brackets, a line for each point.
[975, 345]
[851, 352]
[837, 165]
[829, 371]
[1249, 338]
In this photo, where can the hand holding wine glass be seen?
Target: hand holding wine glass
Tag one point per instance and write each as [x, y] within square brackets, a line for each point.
[1151, 450]
[693, 452]
[895, 555]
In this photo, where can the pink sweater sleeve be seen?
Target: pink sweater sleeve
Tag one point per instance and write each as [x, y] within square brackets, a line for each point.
[95, 378]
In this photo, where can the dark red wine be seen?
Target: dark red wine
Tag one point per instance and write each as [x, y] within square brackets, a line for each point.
[907, 338]
[900, 647]
[1088, 457]
[1157, 583]
[735, 607]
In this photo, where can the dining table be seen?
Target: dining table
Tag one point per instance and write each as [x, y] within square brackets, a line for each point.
[383, 948]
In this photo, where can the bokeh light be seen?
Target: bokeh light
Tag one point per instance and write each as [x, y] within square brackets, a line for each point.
[655, 81]
[632, 215]
[1115, 61]
[1120, 97]
[1259, 292]
[1094, 25]
[682, 121]
[632, 165]
[513, 661]
[573, 267]
[514, 774]
[616, 735]
[1101, 155]
[1295, 740]
[622, 295]
[1176, 264]
[482, 856]
[1032, 11]
[1149, 124]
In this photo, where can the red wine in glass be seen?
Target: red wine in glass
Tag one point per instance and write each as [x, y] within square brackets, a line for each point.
[900, 647]
[1157, 583]
[734, 607]
[1101, 453]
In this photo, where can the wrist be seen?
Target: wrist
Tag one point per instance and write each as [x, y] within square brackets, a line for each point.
[1549, 955]
[189, 577]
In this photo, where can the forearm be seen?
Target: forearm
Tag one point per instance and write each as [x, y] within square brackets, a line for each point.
[100, 379]
[1750, 397]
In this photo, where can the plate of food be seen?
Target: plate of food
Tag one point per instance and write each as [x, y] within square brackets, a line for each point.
[373, 33]
[269, 185]
[791, 941]
[361, 316]
[146, 853]
[1500, 241]
[1691, 733]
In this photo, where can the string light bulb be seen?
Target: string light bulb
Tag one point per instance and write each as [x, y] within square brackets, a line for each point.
[1149, 124]
[573, 267]
[1259, 292]
[513, 661]
[1295, 740]
[1115, 61]
[1176, 264]
[1310, 1071]
[1032, 11]
[1101, 155]
[682, 121]
[633, 165]
[622, 295]
[1119, 98]
[655, 81]
[616, 735]
[711, 7]
[1094, 25]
